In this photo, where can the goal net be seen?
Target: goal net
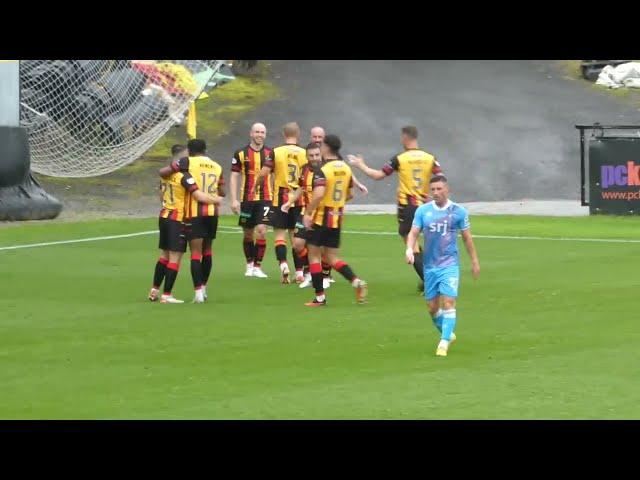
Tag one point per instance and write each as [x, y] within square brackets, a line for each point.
[91, 117]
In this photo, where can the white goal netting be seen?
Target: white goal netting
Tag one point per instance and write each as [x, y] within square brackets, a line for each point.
[91, 117]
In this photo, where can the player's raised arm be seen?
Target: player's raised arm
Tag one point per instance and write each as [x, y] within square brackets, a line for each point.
[358, 161]
[165, 171]
[471, 250]
[180, 165]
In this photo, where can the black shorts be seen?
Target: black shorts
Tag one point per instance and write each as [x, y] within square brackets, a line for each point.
[300, 231]
[324, 237]
[285, 221]
[405, 218]
[254, 213]
[172, 235]
[201, 227]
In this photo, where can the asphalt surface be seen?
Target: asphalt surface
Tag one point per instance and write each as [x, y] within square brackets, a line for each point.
[502, 130]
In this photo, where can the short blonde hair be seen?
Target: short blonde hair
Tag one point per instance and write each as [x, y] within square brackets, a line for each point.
[291, 129]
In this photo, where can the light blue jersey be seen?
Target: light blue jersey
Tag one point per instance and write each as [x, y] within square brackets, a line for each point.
[440, 227]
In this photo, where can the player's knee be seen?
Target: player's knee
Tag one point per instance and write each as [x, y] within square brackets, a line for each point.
[248, 235]
[448, 304]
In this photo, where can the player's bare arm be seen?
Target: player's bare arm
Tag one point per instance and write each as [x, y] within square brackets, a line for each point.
[174, 166]
[203, 197]
[361, 186]
[318, 194]
[235, 204]
[414, 233]
[292, 200]
[165, 171]
[221, 190]
[358, 161]
[471, 250]
[350, 193]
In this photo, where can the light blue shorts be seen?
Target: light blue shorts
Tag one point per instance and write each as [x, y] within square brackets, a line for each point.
[441, 281]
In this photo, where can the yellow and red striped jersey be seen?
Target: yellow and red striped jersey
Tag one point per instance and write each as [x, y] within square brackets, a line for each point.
[208, 176]
[306, 183]
[248, 162]
[336, 177]
[287, 161]
[176, 190]
[414, 168]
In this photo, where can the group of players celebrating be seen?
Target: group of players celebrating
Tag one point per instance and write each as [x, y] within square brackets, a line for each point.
[301, 192]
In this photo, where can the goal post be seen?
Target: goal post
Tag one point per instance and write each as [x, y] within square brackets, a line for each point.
[21, 197]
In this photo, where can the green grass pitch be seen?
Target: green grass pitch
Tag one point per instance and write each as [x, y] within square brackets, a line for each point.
[550, 330]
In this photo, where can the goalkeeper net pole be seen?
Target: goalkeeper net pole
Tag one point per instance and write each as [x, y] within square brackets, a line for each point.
[21, 197]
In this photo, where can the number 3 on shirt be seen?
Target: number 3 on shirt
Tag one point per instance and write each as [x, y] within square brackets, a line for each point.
[293, 173]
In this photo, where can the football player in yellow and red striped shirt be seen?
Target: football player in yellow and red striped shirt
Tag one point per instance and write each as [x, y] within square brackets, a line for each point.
[286, 164]
[201, 219]
[302, 196]
[255, 199]
[161, 265]
[317, 134]
[414, 167]
[332, 187]
[179, 187]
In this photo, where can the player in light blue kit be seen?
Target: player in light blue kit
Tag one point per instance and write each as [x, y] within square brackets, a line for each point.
[440, 221]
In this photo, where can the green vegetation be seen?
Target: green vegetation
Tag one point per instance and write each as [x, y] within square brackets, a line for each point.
[215, 114]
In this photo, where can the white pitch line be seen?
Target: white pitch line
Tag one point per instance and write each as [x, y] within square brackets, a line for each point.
[79, 240]
[562, 239]
[501, 237]
[357, 232]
